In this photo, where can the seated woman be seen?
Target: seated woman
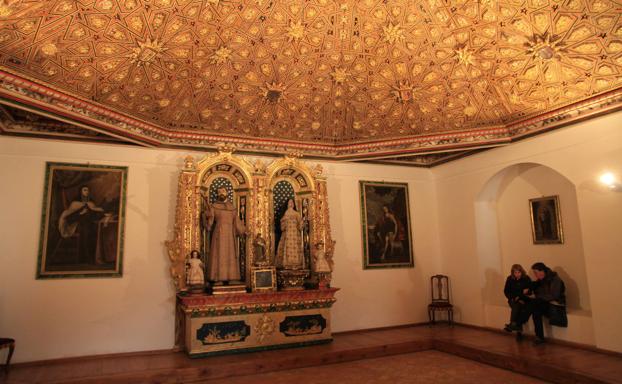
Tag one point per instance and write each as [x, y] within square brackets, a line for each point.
[517, 286]
[548, 289]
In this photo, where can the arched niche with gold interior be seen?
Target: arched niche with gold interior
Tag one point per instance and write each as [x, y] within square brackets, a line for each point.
[196, 182]
[235, 174]
[308, 189]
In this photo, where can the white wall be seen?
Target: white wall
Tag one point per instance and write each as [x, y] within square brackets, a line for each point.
[76, 317]
[580, 153]
[381, 297]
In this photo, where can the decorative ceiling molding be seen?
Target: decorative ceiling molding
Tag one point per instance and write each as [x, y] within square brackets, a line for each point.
[19, 122]
[426, 160]
[339, 79]
[33, 123]
[26, 92]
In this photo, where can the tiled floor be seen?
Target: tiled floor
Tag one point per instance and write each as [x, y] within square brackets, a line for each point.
[412, 368]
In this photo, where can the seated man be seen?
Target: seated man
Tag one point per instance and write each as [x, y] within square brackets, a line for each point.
[548, 289]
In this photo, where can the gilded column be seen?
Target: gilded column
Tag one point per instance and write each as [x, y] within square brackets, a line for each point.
[186, 235]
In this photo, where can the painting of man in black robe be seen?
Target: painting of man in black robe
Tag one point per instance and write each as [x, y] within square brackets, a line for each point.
[386, 225]
[82, 221]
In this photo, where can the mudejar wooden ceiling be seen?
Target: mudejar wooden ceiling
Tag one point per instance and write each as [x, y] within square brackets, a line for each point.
[343, 79]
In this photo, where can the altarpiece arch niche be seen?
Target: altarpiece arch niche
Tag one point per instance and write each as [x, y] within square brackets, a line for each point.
[228, 183]
[283, 193]
[292, 197]
[254, 225]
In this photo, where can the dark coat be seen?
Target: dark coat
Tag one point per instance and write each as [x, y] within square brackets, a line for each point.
[514, 288]
[551, 288]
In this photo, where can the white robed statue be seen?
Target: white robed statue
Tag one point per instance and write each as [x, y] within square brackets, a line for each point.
[194, 275]
[223, 262]
[289, 251]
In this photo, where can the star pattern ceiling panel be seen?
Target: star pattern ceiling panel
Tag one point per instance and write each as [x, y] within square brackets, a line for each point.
[333, 71]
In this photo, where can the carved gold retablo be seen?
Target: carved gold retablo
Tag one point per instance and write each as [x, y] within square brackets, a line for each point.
[264, 327]
[292, 279]
[189, 163]
[225, 148]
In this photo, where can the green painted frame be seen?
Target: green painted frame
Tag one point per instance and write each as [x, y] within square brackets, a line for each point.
[46, 218]
[364, 226]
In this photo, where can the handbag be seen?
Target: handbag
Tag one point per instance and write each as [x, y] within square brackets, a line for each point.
[557, 315]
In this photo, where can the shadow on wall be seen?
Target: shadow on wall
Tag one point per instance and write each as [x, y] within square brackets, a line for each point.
[573, 299]
[492, 292]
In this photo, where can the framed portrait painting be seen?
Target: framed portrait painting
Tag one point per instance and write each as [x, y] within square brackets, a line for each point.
[82, 221]
[546, 220]
[385, 217]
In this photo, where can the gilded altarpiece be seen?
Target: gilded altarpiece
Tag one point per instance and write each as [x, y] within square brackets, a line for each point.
[298, 312]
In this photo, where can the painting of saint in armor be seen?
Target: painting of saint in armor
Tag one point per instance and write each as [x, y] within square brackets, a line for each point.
[82, 221]
[546, 221]
[385, 217]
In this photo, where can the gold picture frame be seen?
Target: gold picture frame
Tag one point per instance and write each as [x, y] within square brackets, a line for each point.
[263, 279]
[546, 220]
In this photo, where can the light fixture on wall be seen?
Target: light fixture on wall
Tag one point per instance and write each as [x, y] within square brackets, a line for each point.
[609, 180]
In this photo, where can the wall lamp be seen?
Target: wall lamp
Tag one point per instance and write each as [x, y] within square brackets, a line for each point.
[609, 180]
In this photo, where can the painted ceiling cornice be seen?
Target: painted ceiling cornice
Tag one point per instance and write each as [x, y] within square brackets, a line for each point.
[336, 79]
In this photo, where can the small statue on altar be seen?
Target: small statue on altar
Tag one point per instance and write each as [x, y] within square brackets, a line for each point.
[223, 227]
[289, 252]
[261, 254]
[195, 277]
[321, 266]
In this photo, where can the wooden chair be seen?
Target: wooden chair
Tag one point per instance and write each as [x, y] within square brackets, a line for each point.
[10, 344]
[440, 299]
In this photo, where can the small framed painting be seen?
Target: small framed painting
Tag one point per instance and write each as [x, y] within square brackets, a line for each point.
[82, 221]
[385, 216]
[263, 279]
[546, 220]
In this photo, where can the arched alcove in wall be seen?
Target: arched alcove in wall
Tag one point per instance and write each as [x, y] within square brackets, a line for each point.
[504, 235]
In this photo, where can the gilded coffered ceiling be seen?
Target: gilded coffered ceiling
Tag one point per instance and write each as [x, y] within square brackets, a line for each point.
[321, 72]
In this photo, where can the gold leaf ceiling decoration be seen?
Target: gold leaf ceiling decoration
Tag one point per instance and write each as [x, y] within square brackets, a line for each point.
[319, 71]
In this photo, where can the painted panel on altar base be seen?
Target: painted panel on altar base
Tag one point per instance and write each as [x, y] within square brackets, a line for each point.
[82, 221]
[302, 325]
[223, 332]
[265, 330]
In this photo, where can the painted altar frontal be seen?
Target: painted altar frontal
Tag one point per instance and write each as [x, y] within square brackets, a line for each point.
[252, 255]
[216, 324]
